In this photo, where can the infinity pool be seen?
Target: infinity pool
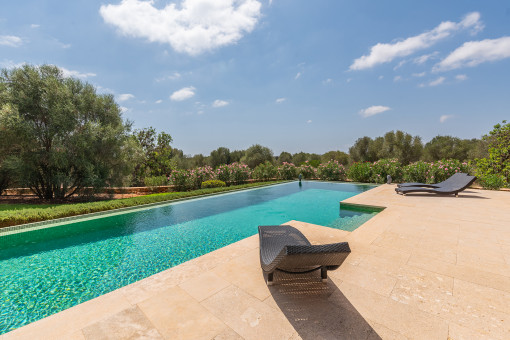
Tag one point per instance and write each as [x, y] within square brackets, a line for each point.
[48, 270]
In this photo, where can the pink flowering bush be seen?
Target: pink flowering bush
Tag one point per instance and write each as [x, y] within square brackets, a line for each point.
[307, 170]
[264, 171]
[235, 173]
[360, 172]
[416, 172]
[384, 167]
[287, 171]
[181, 180]
[441, 170]
[332, 171]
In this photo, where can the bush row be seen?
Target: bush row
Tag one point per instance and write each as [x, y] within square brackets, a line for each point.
[366, 172]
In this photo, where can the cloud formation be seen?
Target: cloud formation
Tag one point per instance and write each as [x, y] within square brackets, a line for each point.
[219, 103]
[280, 100]
[437, 81]
[472, 53]
[444, 118]
[373, 110]
[386, 52]
[10, 40]
[183, 94]
[192, 26]
[76, 74]
[125, 96]
[461, 77]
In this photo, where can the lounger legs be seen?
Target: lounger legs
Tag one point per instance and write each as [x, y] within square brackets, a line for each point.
[270, 279]
[324, 274]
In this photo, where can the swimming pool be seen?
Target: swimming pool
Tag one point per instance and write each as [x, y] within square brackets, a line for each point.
[48, 270]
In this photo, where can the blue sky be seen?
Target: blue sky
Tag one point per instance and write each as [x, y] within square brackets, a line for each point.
[307, 76]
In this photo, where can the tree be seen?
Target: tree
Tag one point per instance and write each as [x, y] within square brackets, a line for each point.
[339, 156]
[257, 154]
[361, 151]
[284, 157]
[158, 158]
[407, 148]
[236, 155]
[498, 162]
[448, 147]
[64, 136]
[219, 157]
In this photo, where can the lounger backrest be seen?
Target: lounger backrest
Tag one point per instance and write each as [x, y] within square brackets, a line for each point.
[459, 182]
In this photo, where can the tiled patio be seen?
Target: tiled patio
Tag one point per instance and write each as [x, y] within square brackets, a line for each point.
[426, 267]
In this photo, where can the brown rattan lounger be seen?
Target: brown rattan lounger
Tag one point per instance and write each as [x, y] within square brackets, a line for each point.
[286, 249]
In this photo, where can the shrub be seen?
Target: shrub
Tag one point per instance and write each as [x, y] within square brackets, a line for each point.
[155, 181]
[213, 184]
[307, 170]
[384, 167]
[223, 173]
[416, 172]
[181, 180]
[492, 181]
[498, 162]
[287, 171]
[360, 172]
[332, 171]
[199, 175]
[441, 170]
[239, 173]
[264, 171]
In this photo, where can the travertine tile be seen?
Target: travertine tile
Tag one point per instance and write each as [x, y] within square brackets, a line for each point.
[457, 332]
[482, 295]
[374, 281]
[131, 323]
[176, 315]
[203, 286]
[248, 316]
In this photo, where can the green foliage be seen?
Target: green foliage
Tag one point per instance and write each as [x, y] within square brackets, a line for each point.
[416, 172]
[191, 179]
[213, 184]
[307, 170]
[384, 167]
[287, 171]
[64, 136]
[498, 162]
[492, 181]
[223, 173]
[447, 147]
[155, 181]
[158, 158]
[257, 154]
[360, 172]
[15, 217]
[239, 173]
[332, 171]
[219, 157]
[441, 170]
[339, 156]
[284, 157]
[264, 171]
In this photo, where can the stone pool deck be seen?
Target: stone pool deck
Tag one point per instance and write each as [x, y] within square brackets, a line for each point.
[426, 267]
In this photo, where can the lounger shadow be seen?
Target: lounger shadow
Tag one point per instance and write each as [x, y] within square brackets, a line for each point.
[286, 249]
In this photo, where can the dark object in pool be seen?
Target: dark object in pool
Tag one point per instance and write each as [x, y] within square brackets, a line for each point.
[286, 249]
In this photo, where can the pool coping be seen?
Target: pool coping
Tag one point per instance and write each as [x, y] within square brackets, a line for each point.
[20, 228]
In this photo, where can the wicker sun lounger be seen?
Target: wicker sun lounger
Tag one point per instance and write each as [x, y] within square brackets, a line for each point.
[459, 185]
[286, 249]
[451, 179]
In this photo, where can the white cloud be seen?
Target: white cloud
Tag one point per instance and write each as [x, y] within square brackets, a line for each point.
[461, 77]
[10, 64]
[219, 103]
[400, 64]
[381, 77]
[443, 118]
[397, 78]
[159, 101]
[424, 58]
[327, 81]
[35, 26]
[183, 94]
[308, 121]
[419, 75]
[373, 110]
[124, 109]
[125, 96]
[298, 75]
[472, 53]
[10, 40]
[386, 52]
[173, 76]
[280, 100]
[348, 80]
[191, 26]
[76, 74]
[437, 81]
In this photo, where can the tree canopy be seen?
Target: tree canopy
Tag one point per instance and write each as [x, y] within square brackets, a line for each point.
[63, 136]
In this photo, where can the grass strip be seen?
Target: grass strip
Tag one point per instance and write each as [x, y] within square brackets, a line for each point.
[15, 217]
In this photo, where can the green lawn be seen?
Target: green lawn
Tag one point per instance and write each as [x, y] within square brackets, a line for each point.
[8, 206]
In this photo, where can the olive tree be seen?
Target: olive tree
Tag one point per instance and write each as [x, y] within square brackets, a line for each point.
[64, 136]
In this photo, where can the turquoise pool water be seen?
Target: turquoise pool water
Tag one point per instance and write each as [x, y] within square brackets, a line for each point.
[46, 271]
